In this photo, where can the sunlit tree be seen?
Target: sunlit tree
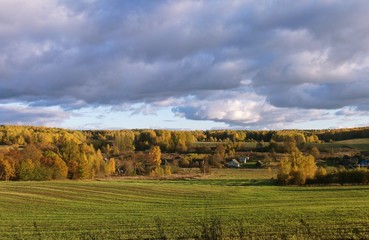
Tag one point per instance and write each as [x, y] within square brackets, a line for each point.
[110, 167]
[154, 156]
[7, 169]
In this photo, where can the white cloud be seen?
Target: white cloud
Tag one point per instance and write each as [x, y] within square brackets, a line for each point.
[25, 115]
[247, 110]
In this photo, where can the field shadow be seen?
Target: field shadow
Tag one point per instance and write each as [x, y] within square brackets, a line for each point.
[327, 188]
[232, 182]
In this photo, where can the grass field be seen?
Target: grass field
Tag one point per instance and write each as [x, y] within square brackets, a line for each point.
[361, 144]
[250, 145]
[181, 209]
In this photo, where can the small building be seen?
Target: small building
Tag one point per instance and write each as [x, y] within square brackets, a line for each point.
[233, 164]
[364, 163]
[243, 160]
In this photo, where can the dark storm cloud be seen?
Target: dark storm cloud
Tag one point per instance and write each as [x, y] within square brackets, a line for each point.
[291, 54]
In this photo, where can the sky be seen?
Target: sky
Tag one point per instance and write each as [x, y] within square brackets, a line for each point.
[184, 64]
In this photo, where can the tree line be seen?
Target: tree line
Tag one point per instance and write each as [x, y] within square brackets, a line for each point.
[40, 153]
[169, 140]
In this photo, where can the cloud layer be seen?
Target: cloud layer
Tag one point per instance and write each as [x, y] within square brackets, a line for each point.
[10, 114]
[245, 63]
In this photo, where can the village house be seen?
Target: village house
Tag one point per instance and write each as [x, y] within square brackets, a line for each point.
[243, 160]
[364, 163]
[233, 164]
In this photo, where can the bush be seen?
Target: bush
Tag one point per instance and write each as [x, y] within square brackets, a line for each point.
[160, 171]
[356, 176]
[184, 163]
[343, 176]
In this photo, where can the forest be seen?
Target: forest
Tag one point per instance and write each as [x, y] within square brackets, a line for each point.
[41, 153]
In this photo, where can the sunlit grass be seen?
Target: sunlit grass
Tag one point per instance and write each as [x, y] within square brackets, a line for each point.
[129, 209]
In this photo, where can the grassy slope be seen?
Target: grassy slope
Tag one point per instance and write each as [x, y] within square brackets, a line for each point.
[361, 144]
[128, 209]
[214, 144]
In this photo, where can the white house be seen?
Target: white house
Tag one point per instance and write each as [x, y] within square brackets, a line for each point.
[233, 164]
[243, 160]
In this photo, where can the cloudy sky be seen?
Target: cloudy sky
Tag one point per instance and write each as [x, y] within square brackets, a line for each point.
[184, 64]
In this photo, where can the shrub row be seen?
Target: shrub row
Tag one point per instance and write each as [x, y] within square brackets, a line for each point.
[343, 176]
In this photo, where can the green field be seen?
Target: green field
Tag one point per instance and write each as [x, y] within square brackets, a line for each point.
[186, 209]
[215, 144]
[361, 144]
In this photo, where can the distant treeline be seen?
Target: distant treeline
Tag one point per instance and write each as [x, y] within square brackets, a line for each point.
[39, 153]
[169, 140]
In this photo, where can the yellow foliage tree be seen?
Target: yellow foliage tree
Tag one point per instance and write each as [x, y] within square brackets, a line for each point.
[284, 170]
[7, 170]
[84, 168]
[58, 166]
[167, 170]
[157, 172]
[321, 172]
[110, 167]
[296, 168]
[315, 152]
[154, 157]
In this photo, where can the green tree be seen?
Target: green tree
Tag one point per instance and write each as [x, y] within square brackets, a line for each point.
[26, 170]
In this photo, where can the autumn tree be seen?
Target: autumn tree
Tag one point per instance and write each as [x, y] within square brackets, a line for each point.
[220, 150]
[98, 163]
[30, 167]
[179, 142]
[241, 136]
[284, 173]
[286, 136]
[145, 139]
[7, 169]
[45, 137]
[154, 156]
[71, 154]
[25, 172]
[165, 140]
[231, 149]
[315, 152]
[124, 141]
[110, 167]
[296, 168]
[58, 168]
[215, 160]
